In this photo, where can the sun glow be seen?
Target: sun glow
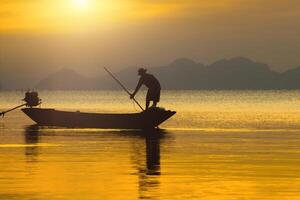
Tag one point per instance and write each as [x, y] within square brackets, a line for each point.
[82, 4]
[74, 15]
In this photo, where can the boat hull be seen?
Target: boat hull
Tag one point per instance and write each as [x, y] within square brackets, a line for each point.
[145, 120]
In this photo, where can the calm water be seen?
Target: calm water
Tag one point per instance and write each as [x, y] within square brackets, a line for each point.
[220, 145]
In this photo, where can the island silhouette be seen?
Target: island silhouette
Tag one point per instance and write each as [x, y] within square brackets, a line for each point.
[237, 73]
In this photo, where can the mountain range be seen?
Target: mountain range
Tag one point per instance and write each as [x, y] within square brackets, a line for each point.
[231, 74]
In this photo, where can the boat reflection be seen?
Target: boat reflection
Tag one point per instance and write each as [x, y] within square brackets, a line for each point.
[146, 160]
[149, 176]
[31, 139]
[153, 154]
[2, 125]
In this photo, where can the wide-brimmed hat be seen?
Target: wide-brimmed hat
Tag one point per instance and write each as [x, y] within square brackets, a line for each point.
[142, 71]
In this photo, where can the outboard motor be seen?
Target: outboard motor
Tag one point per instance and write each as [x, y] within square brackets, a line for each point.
[32, 99]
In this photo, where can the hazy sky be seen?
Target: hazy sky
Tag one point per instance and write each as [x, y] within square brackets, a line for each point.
[45, 35]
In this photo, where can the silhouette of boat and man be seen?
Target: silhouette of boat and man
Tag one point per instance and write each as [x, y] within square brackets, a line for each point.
[148, 118]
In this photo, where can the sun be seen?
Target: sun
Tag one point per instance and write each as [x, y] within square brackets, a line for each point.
[82, 4]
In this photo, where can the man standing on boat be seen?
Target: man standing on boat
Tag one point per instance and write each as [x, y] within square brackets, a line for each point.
[152, 84]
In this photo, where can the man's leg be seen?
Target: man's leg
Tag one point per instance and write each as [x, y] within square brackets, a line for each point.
[147, 104]
[154, 103]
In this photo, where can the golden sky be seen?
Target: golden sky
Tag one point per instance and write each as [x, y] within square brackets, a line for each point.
[66, 15]
[122, 33]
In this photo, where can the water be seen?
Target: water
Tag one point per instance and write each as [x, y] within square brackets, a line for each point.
[219, 145]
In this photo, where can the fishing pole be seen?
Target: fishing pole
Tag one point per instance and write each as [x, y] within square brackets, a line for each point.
[124, 88]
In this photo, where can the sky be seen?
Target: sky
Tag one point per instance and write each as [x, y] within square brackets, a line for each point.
[41, 36]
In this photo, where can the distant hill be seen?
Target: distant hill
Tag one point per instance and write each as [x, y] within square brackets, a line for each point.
[66, 79]
[235, 73]
[290, 79]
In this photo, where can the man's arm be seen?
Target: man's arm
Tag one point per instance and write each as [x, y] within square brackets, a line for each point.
[140, 83]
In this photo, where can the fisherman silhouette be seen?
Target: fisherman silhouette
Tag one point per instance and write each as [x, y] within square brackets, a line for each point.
[152, 84]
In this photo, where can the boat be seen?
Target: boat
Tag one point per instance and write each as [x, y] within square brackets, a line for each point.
[148, 119]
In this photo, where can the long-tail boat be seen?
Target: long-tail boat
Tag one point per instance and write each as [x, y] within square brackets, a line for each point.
[147, 119]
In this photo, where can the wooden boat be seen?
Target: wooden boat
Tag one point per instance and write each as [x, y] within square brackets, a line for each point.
[148, 119]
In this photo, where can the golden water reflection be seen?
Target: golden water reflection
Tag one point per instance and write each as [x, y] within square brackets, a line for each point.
[44, 163]
[144, 153]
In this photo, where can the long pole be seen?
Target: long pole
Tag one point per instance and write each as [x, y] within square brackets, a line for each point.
[3, 113]
[124, 88]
